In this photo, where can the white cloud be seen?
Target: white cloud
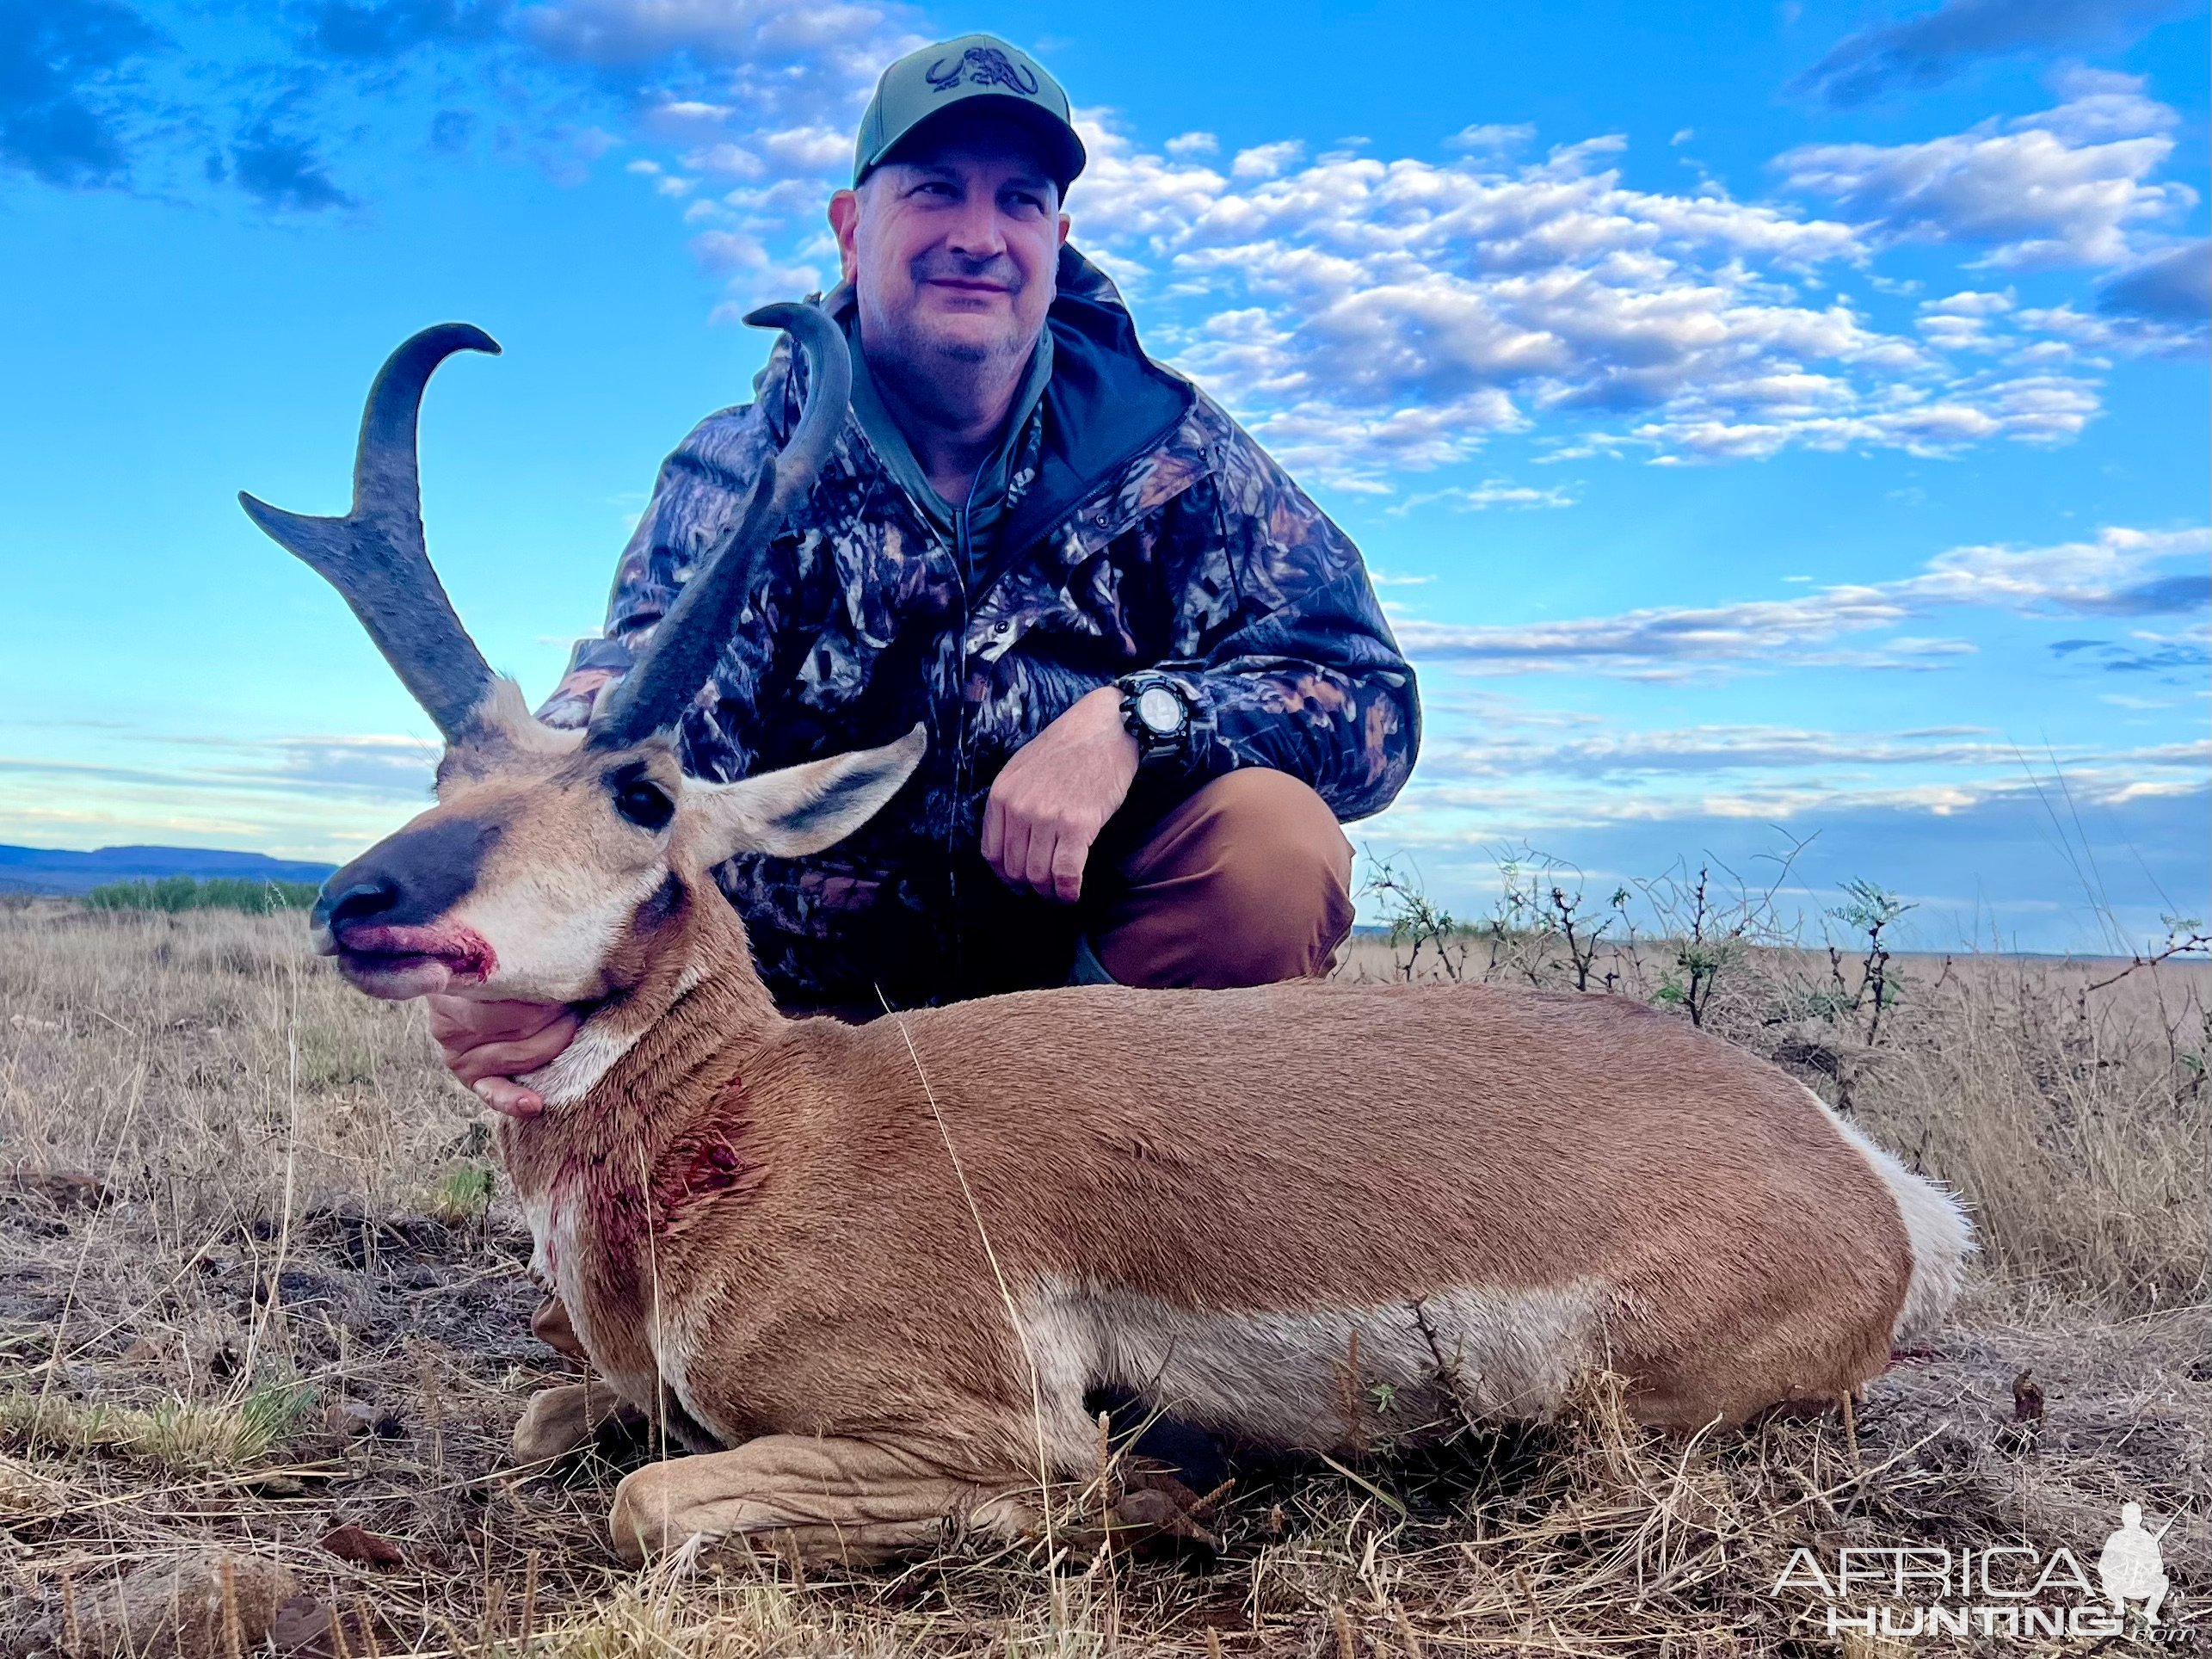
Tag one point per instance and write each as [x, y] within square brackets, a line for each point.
[2122, 572]
[2068, 186]
[753, 89]
[793, 40]
[1494, 492]
[1266, 161]
[681, 115]
[2114, 335]
[1370, 317]
[1497, 750]
[1499, 773]
[810, 150]
[1970, 303]
[1932, 45]
[729, 251]
[1489, 136]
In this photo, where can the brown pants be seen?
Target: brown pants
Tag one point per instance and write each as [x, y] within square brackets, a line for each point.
[1246, 882]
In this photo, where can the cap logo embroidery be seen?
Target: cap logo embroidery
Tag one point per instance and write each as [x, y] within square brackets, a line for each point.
[983, 66]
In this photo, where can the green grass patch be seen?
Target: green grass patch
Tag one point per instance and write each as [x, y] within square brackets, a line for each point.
[176, 893]
[181, 1436]
[462, 1197]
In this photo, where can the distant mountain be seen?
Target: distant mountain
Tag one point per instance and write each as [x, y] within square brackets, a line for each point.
[46, 870]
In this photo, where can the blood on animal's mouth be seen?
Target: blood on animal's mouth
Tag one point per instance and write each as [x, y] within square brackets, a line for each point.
[399, 962]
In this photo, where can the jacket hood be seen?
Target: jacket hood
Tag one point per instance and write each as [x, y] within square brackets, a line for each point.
[1107, 406]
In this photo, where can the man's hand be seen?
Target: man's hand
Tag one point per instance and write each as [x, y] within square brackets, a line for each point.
[1056, 794]
[486, 1045]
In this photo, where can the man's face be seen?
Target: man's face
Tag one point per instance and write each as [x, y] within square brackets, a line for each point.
[952, 249]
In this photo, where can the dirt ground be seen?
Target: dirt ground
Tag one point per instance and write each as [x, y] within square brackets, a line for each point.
[263, 1334]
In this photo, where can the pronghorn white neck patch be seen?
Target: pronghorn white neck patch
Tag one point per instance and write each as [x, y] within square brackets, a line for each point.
[591, 1054]
[576, 1071]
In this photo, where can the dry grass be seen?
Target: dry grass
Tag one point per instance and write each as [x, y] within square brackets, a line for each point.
[255, 1285]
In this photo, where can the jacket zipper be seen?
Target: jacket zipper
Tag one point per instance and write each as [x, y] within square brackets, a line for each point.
[964, 552]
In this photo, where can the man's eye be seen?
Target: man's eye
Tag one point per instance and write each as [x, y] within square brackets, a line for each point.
[644, 802]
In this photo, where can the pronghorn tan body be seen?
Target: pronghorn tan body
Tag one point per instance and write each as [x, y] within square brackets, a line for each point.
[885, 1269]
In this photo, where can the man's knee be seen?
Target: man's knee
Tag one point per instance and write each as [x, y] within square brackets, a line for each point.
[1269, 832]
[1247, 882]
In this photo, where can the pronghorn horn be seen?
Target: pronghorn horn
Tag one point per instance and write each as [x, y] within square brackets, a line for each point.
[375, 556]
[654, 694]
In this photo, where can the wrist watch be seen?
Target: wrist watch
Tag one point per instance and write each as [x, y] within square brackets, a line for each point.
[1158, 716]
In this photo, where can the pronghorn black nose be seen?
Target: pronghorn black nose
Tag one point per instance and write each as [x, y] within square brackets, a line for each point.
[408, 880]
[361, 899]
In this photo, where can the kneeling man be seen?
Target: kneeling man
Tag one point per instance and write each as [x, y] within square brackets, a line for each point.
[1154, 675]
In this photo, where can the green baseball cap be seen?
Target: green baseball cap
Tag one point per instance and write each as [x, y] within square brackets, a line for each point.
[961, 74]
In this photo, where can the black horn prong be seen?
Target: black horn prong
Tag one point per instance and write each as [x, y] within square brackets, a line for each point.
[685, 646]
[375, 555]
[828, 395]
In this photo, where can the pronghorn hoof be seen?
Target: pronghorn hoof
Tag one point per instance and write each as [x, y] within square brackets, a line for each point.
[566, 1419]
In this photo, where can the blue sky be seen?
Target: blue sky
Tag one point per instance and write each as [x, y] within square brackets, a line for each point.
[1767, 423]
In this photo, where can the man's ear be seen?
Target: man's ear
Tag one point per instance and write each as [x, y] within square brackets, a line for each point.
[803, 809]
[844, 225]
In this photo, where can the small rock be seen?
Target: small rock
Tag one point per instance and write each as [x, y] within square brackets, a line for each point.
[303, 1626]
[362, 1547]
[176, 1610]
[306, 1628]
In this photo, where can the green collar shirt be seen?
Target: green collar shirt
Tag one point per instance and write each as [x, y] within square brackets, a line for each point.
[969, 526]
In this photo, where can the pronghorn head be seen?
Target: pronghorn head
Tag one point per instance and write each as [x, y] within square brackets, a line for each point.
[554, 860]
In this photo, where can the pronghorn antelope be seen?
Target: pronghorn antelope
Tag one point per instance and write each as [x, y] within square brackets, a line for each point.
[878, 1276]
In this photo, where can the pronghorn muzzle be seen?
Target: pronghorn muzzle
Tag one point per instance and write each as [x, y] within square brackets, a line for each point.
[386, 916]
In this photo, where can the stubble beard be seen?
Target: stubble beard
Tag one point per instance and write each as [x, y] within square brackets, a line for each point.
[945, 368]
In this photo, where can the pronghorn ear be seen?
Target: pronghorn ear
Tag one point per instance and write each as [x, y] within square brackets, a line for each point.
[803, 809]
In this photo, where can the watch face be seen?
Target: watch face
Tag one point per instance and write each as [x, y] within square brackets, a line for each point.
[1160, 709]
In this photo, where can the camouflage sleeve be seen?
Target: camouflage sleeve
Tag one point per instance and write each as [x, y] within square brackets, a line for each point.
[1302, 674]
[702, 489]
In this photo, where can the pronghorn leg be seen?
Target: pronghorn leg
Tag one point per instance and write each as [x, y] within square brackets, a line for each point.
[856, 1502]
[562, 1419]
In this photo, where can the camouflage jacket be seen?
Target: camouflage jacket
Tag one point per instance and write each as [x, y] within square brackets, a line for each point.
[1143, 529]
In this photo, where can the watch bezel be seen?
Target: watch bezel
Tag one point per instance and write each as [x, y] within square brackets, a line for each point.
[1155, 744]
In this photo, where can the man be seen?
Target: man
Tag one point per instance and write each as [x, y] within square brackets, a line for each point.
[1154, 674]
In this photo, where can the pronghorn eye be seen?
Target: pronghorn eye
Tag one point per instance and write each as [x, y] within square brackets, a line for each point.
[641, 801]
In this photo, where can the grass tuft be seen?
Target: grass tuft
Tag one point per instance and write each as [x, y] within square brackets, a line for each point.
[174, 1436]
[172, 895]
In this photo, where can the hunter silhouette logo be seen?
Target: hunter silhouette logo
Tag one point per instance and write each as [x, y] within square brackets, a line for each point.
[2132, 1567]
[983, 66]
[1995, 1590]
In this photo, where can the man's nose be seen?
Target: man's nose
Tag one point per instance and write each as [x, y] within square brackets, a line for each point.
[976, 232]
